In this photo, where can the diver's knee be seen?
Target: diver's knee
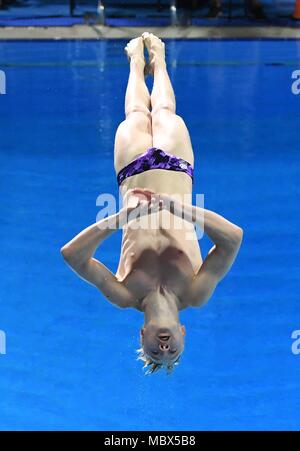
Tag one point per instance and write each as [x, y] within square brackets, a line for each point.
[136, 109]
[165, 106]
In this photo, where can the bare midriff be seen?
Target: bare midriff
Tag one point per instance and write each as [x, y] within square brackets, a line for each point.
[159, 249]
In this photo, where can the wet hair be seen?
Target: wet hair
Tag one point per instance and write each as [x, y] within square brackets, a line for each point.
[151, 366]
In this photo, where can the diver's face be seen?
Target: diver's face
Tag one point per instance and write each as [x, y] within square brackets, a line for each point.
[163, 344]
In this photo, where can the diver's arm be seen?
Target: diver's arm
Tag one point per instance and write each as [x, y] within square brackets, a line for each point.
[78, 253]
[227, 238]
[224, 234]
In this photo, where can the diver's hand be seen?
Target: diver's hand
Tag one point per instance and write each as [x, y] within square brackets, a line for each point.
[143, 193]
[165, 200]
[173, 204]
[139, 203]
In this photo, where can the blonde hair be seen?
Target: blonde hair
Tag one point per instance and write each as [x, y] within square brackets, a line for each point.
[151, 366]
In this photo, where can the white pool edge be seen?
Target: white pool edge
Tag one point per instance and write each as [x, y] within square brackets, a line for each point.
[193, 32]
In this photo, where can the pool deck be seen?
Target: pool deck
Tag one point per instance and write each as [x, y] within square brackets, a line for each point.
[192, 32]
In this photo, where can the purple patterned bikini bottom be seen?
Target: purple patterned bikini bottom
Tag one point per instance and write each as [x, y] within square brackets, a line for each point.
[155, 158]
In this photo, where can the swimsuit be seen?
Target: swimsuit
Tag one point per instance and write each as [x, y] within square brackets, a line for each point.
[155, 158]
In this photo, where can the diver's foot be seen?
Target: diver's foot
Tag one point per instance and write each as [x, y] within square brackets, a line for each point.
[135, 50]
[156, 50]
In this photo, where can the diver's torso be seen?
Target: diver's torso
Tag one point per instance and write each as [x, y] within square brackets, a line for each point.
[169, 256]
[160, 181]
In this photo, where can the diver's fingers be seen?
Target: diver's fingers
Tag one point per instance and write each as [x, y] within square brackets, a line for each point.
[133, 202]
[145, 192]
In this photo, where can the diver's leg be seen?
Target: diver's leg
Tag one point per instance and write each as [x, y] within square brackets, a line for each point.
[168, 129]
[134, 134]
[137, 96]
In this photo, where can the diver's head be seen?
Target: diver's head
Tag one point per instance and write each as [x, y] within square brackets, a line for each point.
[162, 336]
[161, 346]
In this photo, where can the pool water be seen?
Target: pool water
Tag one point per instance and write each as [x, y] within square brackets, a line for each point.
[70, 361]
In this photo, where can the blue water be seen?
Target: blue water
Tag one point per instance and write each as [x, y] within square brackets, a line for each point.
[70, 361]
